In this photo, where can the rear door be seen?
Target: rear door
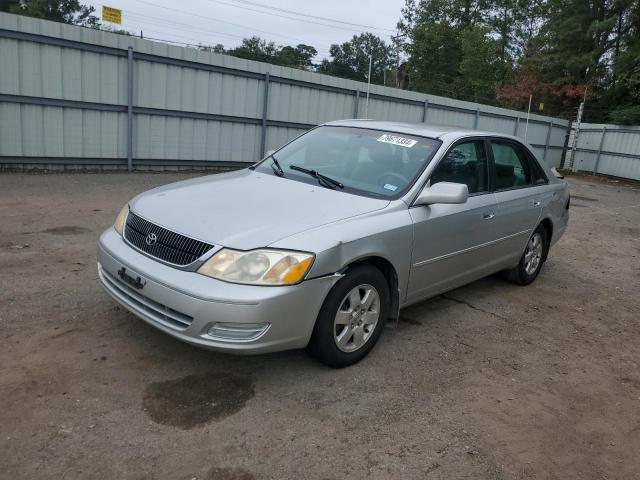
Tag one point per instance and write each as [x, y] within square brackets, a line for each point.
[449, 240]
[520, 194]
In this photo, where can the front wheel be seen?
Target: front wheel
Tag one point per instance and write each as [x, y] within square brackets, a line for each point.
[351, 318]
[532, 259]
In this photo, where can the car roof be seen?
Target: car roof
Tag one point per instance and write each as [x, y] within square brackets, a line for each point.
[418, 129]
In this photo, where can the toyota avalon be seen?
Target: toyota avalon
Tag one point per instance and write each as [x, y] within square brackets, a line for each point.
[327, 238]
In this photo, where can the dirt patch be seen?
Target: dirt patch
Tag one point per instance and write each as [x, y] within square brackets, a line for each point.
[410, 321]
[196, 399]
[586, 199]
[633, 231]
[66, 230]
[229, 474]
[632, 382]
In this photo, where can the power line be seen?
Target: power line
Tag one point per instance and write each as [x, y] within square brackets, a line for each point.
[252, 29]
[293, 12]
[285, 16]
[323, 50]
[187, 28]
[161, 23]
[192, 41]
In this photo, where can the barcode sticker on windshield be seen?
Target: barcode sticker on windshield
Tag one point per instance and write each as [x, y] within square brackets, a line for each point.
[395, 140]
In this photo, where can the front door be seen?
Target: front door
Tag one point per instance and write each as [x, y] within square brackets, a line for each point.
[449, 239]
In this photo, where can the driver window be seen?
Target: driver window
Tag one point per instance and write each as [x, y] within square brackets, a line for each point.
[465, 163]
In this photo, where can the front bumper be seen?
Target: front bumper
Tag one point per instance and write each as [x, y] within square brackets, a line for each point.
[187, 304]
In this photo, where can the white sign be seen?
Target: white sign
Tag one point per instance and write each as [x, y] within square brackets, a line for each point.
[395, 140]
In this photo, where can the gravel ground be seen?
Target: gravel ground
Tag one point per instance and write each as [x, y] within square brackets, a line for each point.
[490, 381]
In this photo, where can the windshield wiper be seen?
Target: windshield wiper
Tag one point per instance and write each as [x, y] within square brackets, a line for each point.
[275, 165]
[322, 179]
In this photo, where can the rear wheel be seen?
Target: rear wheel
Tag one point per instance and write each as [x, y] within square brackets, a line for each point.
[532, 259]
[351, 318]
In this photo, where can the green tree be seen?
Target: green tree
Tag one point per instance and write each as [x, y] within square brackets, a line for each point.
[300, 56]
[64, 11]
[452, 47]
[434, 58]
[621, 101]
[571, 54]
[502, 51]
[351, 59]
[481, 66]
[255, 48]
[217, 48]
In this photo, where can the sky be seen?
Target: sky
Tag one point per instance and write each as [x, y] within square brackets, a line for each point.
[285, 22]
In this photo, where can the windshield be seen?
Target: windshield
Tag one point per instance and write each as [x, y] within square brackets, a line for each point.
[369, 162]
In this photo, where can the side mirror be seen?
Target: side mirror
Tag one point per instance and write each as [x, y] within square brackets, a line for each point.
[443, 192]
[268, 153]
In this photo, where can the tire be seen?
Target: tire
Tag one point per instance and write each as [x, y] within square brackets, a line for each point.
[344, 335]
[534, 256]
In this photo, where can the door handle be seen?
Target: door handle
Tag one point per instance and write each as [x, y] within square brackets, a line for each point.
[488, 215]
[536, 203]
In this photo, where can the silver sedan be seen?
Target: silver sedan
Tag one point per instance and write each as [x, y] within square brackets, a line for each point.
[324, 240]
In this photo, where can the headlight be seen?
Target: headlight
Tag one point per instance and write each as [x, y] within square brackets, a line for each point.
[120, 219]
[258, 267]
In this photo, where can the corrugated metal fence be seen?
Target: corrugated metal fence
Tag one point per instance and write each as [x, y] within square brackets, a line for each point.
[608, 150]
[72, 96]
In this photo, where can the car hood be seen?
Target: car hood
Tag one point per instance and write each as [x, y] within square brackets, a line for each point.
[246, 209]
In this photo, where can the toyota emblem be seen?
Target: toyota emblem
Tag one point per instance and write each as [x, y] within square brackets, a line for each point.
[151, 239]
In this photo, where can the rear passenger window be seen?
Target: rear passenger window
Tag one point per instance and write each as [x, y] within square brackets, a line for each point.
[511, 166]
[465, 163]
[538, 177]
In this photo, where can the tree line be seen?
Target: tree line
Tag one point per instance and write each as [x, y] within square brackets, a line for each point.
[497, 52]
[502, 51]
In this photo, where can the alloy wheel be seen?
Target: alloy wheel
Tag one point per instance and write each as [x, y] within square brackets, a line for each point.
[356, 318]
[533, 254]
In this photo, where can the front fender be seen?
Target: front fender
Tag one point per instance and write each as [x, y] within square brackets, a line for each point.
[386, 234]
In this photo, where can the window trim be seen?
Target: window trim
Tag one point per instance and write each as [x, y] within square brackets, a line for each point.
[526, 153]
[488, 163]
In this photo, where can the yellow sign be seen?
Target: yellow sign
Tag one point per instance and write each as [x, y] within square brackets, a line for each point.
[112, 15]
[541, 106]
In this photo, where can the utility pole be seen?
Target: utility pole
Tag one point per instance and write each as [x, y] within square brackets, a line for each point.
[366, 108]
[574, 145]
[396, 40]
[526, 126]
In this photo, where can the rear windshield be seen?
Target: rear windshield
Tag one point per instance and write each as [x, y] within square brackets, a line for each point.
[368, 162]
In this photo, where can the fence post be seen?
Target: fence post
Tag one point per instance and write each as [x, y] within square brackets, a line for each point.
[546, 144]
[356, 102]
[475, 122]
[265, 109]
[604, 133]
[130, 108]
[425, 110]
[516, 127]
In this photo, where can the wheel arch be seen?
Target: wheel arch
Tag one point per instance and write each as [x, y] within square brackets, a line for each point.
[548, 226]
[390, 273]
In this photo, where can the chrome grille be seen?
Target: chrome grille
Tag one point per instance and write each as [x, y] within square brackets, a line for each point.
[169, 246]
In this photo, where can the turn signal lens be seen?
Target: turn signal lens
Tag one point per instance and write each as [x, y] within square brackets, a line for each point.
[258, 267]
[120, 219]
[295, 272]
